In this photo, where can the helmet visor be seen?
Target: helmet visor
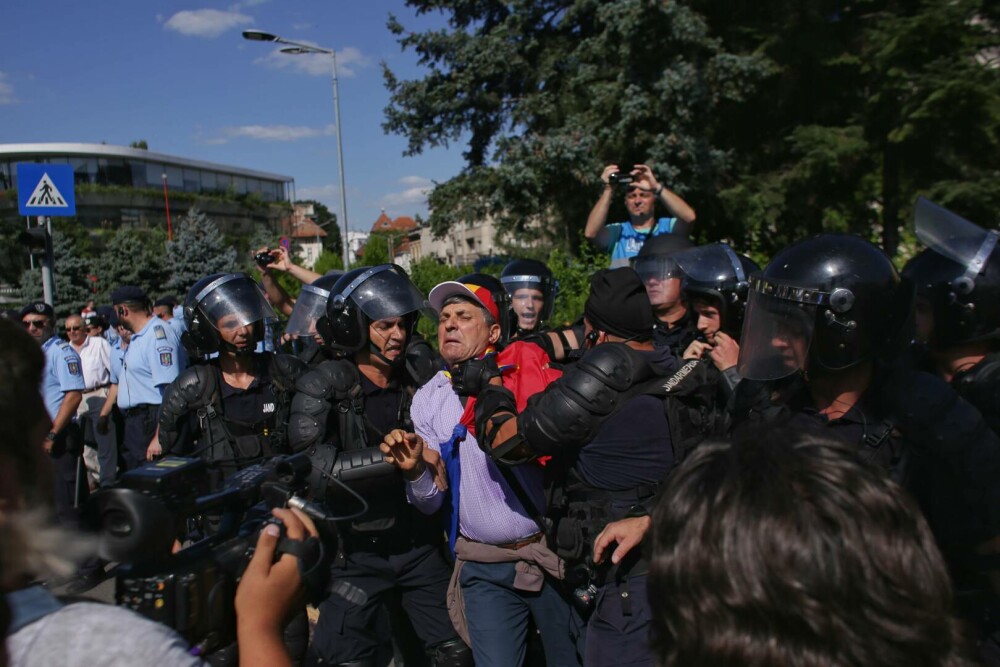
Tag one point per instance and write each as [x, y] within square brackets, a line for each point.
[953, 236]
[309, 307]
[712, 264]
[776, 337]
[232, 301]
[525, 292]
[656, 267]
[387, 292]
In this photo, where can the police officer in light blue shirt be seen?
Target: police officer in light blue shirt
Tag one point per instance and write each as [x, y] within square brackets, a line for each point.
[153, 359]
[165, 309]
[62, 390]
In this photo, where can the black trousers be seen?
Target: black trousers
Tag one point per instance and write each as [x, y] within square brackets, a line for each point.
[351, 619]
[140, 427]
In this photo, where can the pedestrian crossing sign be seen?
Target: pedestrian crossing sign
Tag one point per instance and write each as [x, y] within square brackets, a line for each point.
[45, 189]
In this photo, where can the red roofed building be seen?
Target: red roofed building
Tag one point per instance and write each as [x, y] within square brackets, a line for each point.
[304, 231]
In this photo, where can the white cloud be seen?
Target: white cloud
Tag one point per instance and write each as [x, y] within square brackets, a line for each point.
[205, 22]
[413, 196]
[6, 90]
[273, 132]
[349, 60]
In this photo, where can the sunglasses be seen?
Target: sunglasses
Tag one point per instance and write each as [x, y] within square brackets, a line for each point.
[74, 328]
[34, 324]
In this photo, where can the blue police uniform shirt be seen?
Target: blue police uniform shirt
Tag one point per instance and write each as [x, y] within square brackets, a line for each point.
[153, 359]
[110, 335]
[117, 361]
[63, 372]
[178, 324]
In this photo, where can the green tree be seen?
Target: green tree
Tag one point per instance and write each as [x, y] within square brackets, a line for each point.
[544, 94]
[133, 257]
[328, 261]
[376, 250]
[70, 272]
[140, 144]
[198, 250]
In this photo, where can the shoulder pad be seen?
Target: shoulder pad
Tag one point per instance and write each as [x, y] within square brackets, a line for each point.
[615, 365]
[334, 379]
[422, 362]
[286, 369]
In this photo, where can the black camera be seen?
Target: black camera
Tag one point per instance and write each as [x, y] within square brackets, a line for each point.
[193, 590]
[263, 259]
[619, 178]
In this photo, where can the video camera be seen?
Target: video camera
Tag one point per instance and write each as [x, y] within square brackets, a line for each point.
[193, 590]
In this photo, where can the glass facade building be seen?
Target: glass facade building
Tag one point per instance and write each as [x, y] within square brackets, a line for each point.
[100, 164]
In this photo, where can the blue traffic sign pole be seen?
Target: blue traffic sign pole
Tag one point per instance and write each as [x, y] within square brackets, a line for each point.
[46, 190]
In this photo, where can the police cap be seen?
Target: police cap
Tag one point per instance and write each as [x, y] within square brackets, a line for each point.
[128, 294]
[38, 308]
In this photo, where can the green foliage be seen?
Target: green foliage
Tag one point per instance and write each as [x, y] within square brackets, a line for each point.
[140, 144]
[573, 275]
[774, 120]
[198, 250]
[133, 257]
[376, 250]
[328, 261]
[72, 287]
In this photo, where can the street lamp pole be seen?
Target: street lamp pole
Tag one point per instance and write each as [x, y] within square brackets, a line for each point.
[296, 48]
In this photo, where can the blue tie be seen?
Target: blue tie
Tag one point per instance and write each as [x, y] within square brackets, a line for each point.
[449, 453]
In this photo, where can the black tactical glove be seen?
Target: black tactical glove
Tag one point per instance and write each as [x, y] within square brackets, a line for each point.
[470, 377]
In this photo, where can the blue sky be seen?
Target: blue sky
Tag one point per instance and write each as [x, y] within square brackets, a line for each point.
[180, 76]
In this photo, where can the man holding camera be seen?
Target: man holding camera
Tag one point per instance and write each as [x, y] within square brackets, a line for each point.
[642, 191]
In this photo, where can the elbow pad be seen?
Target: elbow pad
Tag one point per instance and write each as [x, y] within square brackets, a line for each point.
[572, 409]
[194, 388]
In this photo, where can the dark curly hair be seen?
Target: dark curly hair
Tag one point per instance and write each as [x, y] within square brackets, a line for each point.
[782, 548]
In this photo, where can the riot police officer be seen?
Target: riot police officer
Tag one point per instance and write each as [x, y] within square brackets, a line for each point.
[309, 307]
[958, 305]
[656, 266]
[532, 291]
[604, 424]
[232, 410]
[825, 321]
[715, 287]
[353, 401]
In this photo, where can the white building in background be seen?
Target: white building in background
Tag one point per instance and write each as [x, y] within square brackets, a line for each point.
[356, 241]
[305, 233]
[467, 242]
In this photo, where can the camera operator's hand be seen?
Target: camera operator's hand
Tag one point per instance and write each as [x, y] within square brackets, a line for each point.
[606, 174]
[405, 451]
[269, 591]
[626, 532]
[642, 172]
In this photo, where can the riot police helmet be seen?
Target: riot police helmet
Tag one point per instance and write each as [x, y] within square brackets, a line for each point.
[522, 277]
[506, 319]
[365, 295]
[720, 275]
[223, 302]
[311, 304]
[656, 259]
[957, 277]
[824, 304]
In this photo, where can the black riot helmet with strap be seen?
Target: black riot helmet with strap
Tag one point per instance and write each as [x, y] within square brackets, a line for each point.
[365, 295]
[716, 271]
[958, 275]
[824, 304]
[311, 304]
[506, 318]
[530, 274]
[224, 301]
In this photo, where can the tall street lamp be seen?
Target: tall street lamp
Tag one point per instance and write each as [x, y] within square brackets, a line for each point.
[296, 48]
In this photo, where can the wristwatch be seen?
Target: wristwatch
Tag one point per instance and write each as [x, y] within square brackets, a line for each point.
[659, 190]
[51, 436]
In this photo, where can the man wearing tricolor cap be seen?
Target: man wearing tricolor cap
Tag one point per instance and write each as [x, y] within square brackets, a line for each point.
[494, 514]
